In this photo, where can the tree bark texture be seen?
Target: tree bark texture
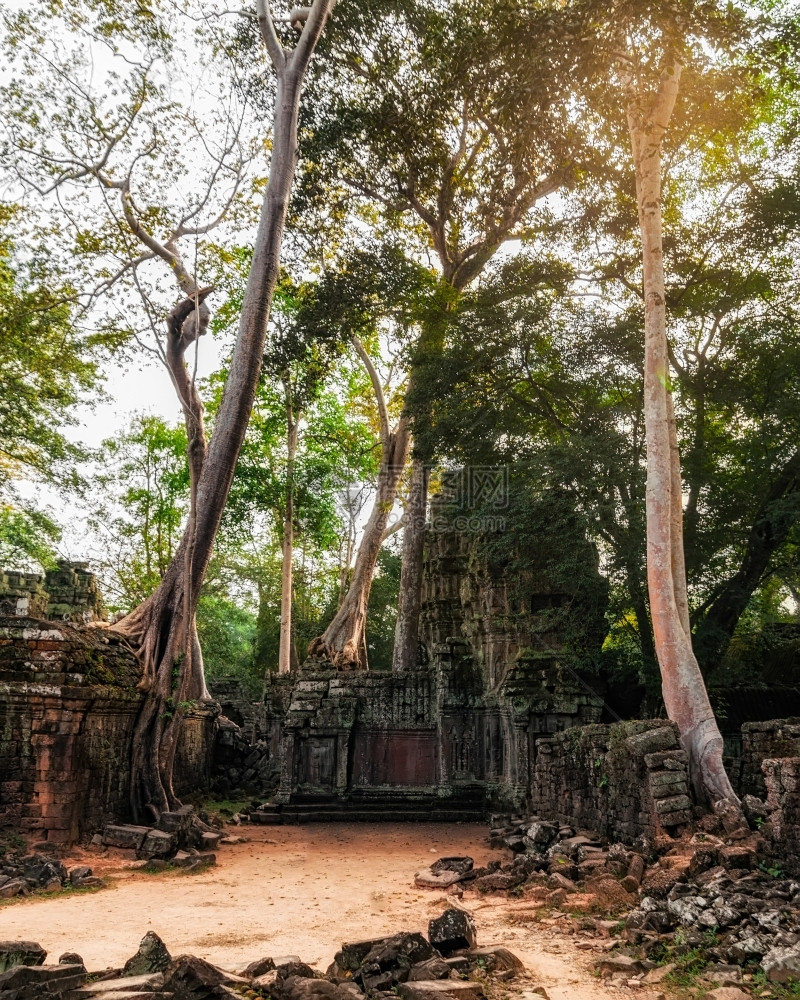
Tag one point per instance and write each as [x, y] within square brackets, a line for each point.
[292, 428]
[163, 626]
[684, 691]
[406, 638]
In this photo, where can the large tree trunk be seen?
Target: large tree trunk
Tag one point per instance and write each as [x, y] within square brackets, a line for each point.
[684, 691]
[343, 642]
[406, 637]
[163, 626]
[292, 428]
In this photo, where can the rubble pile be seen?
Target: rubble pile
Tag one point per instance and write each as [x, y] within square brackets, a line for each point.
[21, 874]
[242, 766]
[181, 838]
[407, 965]
[704, 894]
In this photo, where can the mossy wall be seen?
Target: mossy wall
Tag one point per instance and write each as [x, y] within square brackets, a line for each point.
[68, 706]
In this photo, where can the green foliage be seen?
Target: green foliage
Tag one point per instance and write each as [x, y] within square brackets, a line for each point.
[227, 635]
[27, 536]
[382, 610]
[139, 498]
[47, 367]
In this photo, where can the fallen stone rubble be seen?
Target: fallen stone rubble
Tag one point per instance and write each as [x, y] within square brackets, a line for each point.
[405, 964]
[704, 894]
[181, 838]
[21, 874]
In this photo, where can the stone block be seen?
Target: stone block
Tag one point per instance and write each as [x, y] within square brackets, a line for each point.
[453, 930]
[156, 844]
[782, 964]
[437, 989]
[126, 837]
[13, 953]
[653, 741]
[671, 760]
[24, 982]
[151, 957]
[15, 887]
[123, 984]
[675, 803]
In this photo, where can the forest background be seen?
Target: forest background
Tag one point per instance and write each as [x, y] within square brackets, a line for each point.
[462, 251]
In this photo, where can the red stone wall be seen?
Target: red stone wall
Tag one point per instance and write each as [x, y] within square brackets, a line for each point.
[68, 705]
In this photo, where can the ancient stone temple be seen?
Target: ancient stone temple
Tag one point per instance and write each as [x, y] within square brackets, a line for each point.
[68, 705]
[458, 734]
[68, 592]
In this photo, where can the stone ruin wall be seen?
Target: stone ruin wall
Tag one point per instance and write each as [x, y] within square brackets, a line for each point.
[488, 722]
[777, 738]
[67, 592]
[622, 781]
[68, 706]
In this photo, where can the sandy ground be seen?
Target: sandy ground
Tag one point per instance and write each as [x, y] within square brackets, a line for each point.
[298, 890]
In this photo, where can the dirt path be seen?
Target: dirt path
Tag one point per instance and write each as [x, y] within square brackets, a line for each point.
[291, 890]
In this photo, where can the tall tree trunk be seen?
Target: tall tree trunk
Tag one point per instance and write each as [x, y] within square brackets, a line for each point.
[406, 636]
[684, 691]
[343, 642]
[163, 625]
[292, 427]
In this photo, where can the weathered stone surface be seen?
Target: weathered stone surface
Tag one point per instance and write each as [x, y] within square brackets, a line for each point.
[460, 865]
[426, 878]
[156, 844]
[389, 961]
[611, 964]
[185, 860]
[270, 982]
[542, 834]
[123, 984]
[437, 989]
[260, 967]
[727, 993]
[151, 957]
[24, 981]
[14, 953]
[782, 964]
[351, 955]
[70, 958]
[12, 888]
[68, 705]
[652, 741]
[453, 930]
[209, 841]
[303, 988]
[659, 974]
[126, 837]
[431, 968]
[190, 975]
[496, 958]
[770, 740]
[292, 966]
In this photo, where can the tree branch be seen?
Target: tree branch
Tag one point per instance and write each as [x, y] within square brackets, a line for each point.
[380, 398]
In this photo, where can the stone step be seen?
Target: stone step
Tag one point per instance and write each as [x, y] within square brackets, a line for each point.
[369, 812]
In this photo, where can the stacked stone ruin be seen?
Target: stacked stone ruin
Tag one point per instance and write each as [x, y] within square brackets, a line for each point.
[68, 706]
[67, 592]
